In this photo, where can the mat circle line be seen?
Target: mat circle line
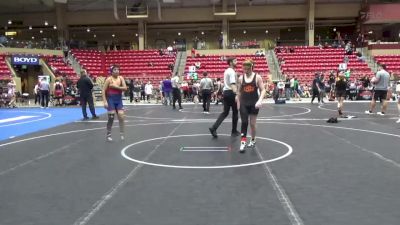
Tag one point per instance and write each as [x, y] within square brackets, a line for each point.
[123, 153]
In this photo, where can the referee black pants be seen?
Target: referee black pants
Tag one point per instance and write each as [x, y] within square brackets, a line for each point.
[229, 102]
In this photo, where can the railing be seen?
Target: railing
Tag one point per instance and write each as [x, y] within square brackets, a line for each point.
[273, 60]
[74, 63]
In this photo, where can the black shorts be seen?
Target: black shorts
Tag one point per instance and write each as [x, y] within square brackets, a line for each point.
[340, 94]
[249, 109]
[380, 95]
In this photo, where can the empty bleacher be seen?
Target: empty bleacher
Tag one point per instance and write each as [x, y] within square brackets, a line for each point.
[145, 64]
[303, 62]
[4, 71]
[392, 62]
[59, 67]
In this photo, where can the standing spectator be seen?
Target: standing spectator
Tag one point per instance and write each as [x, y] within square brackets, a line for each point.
[148, 89]
[44, 92]
[131, 90]
[142, 92]
[206, 88]
[167, 88]
[381, 81]
[176, 92]
[11, 93]
[36, 91]
[85, 86]
[287, 88]
[219, 91]
[316, 89]
[136, 90]
[296, 89]
[321, 84]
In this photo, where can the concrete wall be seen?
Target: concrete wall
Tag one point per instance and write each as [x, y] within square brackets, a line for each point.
[30, 51]
[384, 52]
[184, 15]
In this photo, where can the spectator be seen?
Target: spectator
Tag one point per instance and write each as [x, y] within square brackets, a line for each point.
[36, 91]
[85, 86]
[11, 93]
[148, 90]
[44, 92]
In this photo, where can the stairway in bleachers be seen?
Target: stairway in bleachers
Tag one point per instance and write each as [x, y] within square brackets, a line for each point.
[4, 70]
[60, 67]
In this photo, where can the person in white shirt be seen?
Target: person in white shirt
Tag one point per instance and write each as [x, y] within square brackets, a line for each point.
[206, 88]
[36, 90]
[230, 90]
[11, 93]
[176, 92]
[381, 81]
[44, 92]
[148, 89]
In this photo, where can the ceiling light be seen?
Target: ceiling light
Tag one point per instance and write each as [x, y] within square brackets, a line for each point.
[179, 33]
[88, 29]
[334, 29]
[33, 37]
[46, 23]
[202, 33]
[9, 22]
[370, 32]
[244, 31]
[55, 27]
[266, 31]
[41, 31]
[136, 34]
[30, 27]
[12, 38]
[113, 35]
[94, 36]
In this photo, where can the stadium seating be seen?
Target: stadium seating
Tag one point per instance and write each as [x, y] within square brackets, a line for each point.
[4, 71]
[58, 66]
[303, 62]
[215, 65]
[144, 64]
[392, 62]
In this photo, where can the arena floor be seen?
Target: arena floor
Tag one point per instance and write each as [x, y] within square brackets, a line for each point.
[170, 171]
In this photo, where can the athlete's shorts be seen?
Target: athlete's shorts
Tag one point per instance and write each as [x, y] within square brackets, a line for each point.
[114, 102]
[58, 94]
[249, 109]
[340, 94]
[380, 95]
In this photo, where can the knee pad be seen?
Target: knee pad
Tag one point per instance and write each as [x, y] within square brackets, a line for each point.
[111, 116]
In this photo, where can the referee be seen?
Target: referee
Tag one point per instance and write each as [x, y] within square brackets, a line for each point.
[230, 90]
